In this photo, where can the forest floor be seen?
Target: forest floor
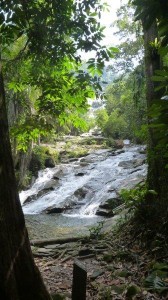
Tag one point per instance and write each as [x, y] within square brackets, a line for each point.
[118, 267]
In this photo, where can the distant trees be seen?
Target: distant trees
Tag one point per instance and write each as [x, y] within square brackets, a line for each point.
[124, 109]
[125, 102]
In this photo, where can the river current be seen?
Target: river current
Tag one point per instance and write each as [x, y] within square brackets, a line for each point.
[81, 186]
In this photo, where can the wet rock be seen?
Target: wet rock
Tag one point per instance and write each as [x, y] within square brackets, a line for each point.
[111, 203]
[80, 174]
[111, 190]
[49, 162]
[143, 151]
[58, 174]
[135, 170]
[49, 185]
[29, 199]
[54, 210]
[126, 164]
[134, 163]
[73, 159]
[139, 162]
[56, 178]
[119, 152]
[81, 193]
[87, 160]
[112, 153]
[105, 213]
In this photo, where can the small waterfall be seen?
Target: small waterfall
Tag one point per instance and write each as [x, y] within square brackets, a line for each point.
[84, 184]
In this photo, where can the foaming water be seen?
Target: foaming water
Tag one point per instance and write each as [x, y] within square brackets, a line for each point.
[103, 175]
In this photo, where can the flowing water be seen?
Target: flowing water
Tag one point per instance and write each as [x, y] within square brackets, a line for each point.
[83, 185]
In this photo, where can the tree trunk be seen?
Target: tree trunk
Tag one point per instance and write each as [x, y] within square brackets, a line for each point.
[19, 276]
[25, 159]
[157, 173]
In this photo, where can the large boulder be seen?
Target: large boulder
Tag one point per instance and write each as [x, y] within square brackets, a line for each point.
[50, 185]
[47, 186]
[81, 193]
[105, 213]
[119, 144]
[134, 163]
[111, 203]
[58, 174]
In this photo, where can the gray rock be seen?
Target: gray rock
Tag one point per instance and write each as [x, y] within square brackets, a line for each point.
[73, 159]
[58, 173]
[126, 164]
[134, 163]
[50, 185]
[139, 162]
[119, 152]
[105, 213]
[111, 203]
[29, 199]
[96, 273]
[81, 193]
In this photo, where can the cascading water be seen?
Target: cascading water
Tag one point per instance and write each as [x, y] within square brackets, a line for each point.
[83, 185]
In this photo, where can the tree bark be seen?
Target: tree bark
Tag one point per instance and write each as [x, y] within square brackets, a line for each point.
[157, 173]
[19, 277]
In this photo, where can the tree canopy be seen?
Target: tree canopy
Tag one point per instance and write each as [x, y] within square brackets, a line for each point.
[43, 40]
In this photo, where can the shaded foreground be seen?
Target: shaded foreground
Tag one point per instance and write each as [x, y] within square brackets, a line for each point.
[118, 267]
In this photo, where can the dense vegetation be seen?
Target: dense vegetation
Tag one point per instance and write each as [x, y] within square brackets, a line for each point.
[44, 89]
[124, 112]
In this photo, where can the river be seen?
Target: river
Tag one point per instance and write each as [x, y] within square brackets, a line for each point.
[78, 189]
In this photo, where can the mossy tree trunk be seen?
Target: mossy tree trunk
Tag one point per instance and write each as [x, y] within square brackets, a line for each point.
[157, 178]
[19, 276]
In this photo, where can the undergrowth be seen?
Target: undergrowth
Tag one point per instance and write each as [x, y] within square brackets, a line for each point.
[148, 221]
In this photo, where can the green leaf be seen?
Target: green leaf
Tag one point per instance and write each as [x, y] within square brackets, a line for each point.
[155, 283]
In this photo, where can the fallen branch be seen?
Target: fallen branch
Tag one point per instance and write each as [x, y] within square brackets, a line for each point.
[55, 241]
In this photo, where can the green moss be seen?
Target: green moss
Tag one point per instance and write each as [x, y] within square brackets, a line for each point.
[88, 141]
[44, 152]
[77, 153]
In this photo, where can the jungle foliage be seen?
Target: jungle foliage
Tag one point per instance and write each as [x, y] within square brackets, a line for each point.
[124, 112]
[45, 83]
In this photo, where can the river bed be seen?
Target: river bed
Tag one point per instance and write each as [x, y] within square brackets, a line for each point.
[80, 187]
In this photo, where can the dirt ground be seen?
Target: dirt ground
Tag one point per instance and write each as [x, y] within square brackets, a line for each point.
[116, 269]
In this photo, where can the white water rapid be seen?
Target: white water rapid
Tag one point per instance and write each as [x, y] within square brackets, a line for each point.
[80, 187]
